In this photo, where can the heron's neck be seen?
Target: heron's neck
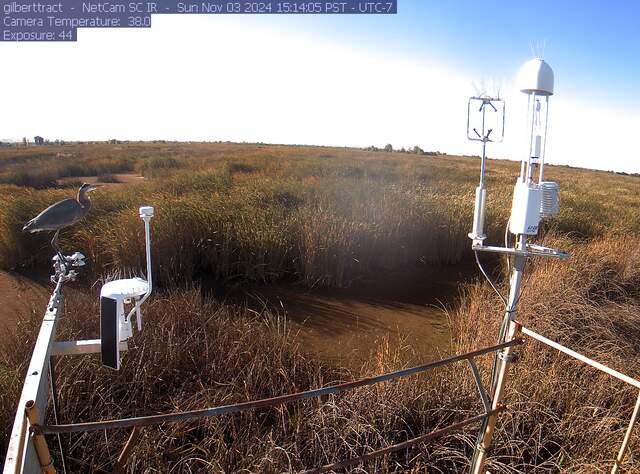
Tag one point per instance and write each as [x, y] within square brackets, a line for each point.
[84, 200]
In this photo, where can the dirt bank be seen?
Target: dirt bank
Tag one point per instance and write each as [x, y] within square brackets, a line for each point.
[18, 295]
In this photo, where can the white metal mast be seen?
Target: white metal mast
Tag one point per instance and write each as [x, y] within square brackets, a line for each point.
[532, 201]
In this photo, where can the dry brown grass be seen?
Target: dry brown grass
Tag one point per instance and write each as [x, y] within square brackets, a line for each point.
[329, 216]
[563, 417]
[320, 215]
[195, 353]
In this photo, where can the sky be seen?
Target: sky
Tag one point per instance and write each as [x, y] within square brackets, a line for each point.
[352, 80]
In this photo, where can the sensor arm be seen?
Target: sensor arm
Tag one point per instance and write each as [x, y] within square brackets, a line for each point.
[146, 213]
[477, 234]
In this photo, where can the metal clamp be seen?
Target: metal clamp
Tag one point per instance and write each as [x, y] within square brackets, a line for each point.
[63, 267]
[510, 358]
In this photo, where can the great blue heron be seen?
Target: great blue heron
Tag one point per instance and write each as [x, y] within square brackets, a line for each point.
[62, 214]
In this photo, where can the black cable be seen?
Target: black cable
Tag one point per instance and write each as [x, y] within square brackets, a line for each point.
[484, 273]
[506, 245]
[506, 308]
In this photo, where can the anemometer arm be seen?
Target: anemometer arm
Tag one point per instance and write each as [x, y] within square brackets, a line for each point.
[477, 234]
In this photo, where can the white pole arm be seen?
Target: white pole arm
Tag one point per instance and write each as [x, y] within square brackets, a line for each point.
[147, 235]
[146, 213]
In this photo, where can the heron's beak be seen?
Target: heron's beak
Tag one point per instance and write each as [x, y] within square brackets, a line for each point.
[92, 187]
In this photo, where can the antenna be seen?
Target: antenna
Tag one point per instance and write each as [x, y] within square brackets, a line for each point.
[537, 48]
[115, 327]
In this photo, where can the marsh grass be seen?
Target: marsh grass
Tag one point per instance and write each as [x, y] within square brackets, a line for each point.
[265, 213]
[329, 217]
[196, 352]
[253, 220]
[564, 415]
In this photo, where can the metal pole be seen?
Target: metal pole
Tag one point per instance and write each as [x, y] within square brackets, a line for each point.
[603, 368]
[532, 113]
[26, 452]
[627, 437]
[497, 392]
[544, 146]
[54, 402]
[39, 442]
[21, 437]
[484, 147]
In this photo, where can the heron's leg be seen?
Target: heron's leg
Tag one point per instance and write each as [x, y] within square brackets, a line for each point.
[54, 241]
[54, 244]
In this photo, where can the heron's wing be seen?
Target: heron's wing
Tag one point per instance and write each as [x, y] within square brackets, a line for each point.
[61, 214]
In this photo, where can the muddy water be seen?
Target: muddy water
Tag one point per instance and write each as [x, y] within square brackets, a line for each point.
[402, 313]
[120, 179]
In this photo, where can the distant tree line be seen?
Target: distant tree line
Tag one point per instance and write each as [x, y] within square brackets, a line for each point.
[416, 150]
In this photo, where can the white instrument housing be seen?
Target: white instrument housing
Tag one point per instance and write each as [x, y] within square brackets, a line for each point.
[525, 209]
[115, 325]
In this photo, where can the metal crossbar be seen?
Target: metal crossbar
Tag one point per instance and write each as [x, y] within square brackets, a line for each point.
[263, 403]
[406, 444]
[603, 368]
[486, 401]
[614, 373]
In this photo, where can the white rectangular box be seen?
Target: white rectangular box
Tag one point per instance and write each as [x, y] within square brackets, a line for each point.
[525, 209]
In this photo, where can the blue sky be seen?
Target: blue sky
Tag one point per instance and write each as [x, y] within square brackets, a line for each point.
[593, 45]
[340, 80]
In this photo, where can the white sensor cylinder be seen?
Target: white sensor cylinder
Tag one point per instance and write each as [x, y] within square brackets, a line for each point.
[146, 213]
[525, 209]
[537, 146]
[478, 215]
